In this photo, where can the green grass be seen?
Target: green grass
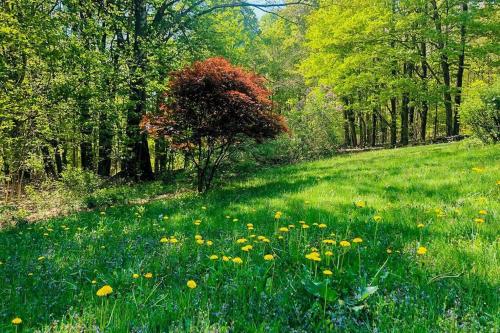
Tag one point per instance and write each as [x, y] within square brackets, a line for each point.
[453, 287]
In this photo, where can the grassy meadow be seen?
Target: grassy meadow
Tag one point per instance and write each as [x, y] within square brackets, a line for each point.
[403, 240]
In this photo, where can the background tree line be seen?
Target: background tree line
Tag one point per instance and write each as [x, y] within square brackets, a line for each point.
[76, 77]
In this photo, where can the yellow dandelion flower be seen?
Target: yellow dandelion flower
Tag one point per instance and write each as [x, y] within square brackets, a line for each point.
[483, 212]
[277, 215]
[420, 225]
[389, 251]
[93, 281]
[249, 225]
[360, 204]
[104, 291]
[314, 256]
[237, 260]
[135, 276]
[344, 243]
[327, 272]
[328, 253]
[498, 182]
[305, 226]
[302, 222]
[191, 284]
[200, 241]
[197, 237]
[280, 237]
[268, 257]
[421, 250]
[241, 241]
[203, 207]
[247, 248]
[41, 258]
[173, 240]
[235, 220]
[357, 240]
[478, 169]
[329, 241]
[266, 240]
[377, 218]
[164, 240]
[226, 258]
[210, 243]
[291, 226]
[214, 257]
[322, 226]
[148, 275]
[479, 220]
[17, 321]
[250, 228]
[197, 222]
[283, 229]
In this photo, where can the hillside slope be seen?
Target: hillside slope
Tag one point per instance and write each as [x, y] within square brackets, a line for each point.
[390, 206]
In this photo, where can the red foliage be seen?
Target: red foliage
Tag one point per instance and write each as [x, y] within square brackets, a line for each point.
[213, 100]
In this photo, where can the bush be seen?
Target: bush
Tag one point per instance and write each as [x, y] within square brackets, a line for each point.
[481, 110]
[80, 181]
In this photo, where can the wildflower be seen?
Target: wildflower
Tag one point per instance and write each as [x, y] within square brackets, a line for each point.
[249, 225]
[210, 243]
[247, 248]
[173, 240]
[228, 217]
[498, 182]
[328, 253]
[30, 274]
[277, 215]
[280, 237]
[200, 241]
[41, 258]
[235, 220]
[261, 237]
[315, 224]
[135, 276]
[197, 237]
[377, 218]
[421, 250]
[191, 284]
[203, 207]
[322, 226]
[305, 226]
[420, 225]
[291, 226]
[344, 243]
[165, 218]
[478, 169]
[16, 321]
[164, 240]
[268, 257]
[357, 240]
[283, 229]
[302, 222]
[237, 260]
[314, 256]
[214, 257]
[104, 291]
[360, 204]
[329, 241]
[250, 228]
[483, 212]
[226, 258]
[479, 220]
[313, 249]
[148, 275]
[197, 222]
[389, 251]
[241, 241]
[93, 281]
[327, 272]
[266, 240]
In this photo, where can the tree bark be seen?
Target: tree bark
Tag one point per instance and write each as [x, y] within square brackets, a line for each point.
[460, 71]
[138, 164]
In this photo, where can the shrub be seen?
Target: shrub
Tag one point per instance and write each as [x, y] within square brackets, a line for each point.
[481, 110]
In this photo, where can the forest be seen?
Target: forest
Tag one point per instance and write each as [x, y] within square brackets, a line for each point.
[249, 166]
[77, 76]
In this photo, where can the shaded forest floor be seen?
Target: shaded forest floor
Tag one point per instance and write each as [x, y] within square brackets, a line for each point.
[386, 204]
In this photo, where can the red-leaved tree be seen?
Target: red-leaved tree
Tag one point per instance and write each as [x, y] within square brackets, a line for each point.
[210, 107]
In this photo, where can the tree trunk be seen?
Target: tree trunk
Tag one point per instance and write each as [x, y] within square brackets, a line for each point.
[374, 129]
[138, 164]
[460, 71]
[394, 113]
[347, 138]
[445, 68]
[425, 105]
